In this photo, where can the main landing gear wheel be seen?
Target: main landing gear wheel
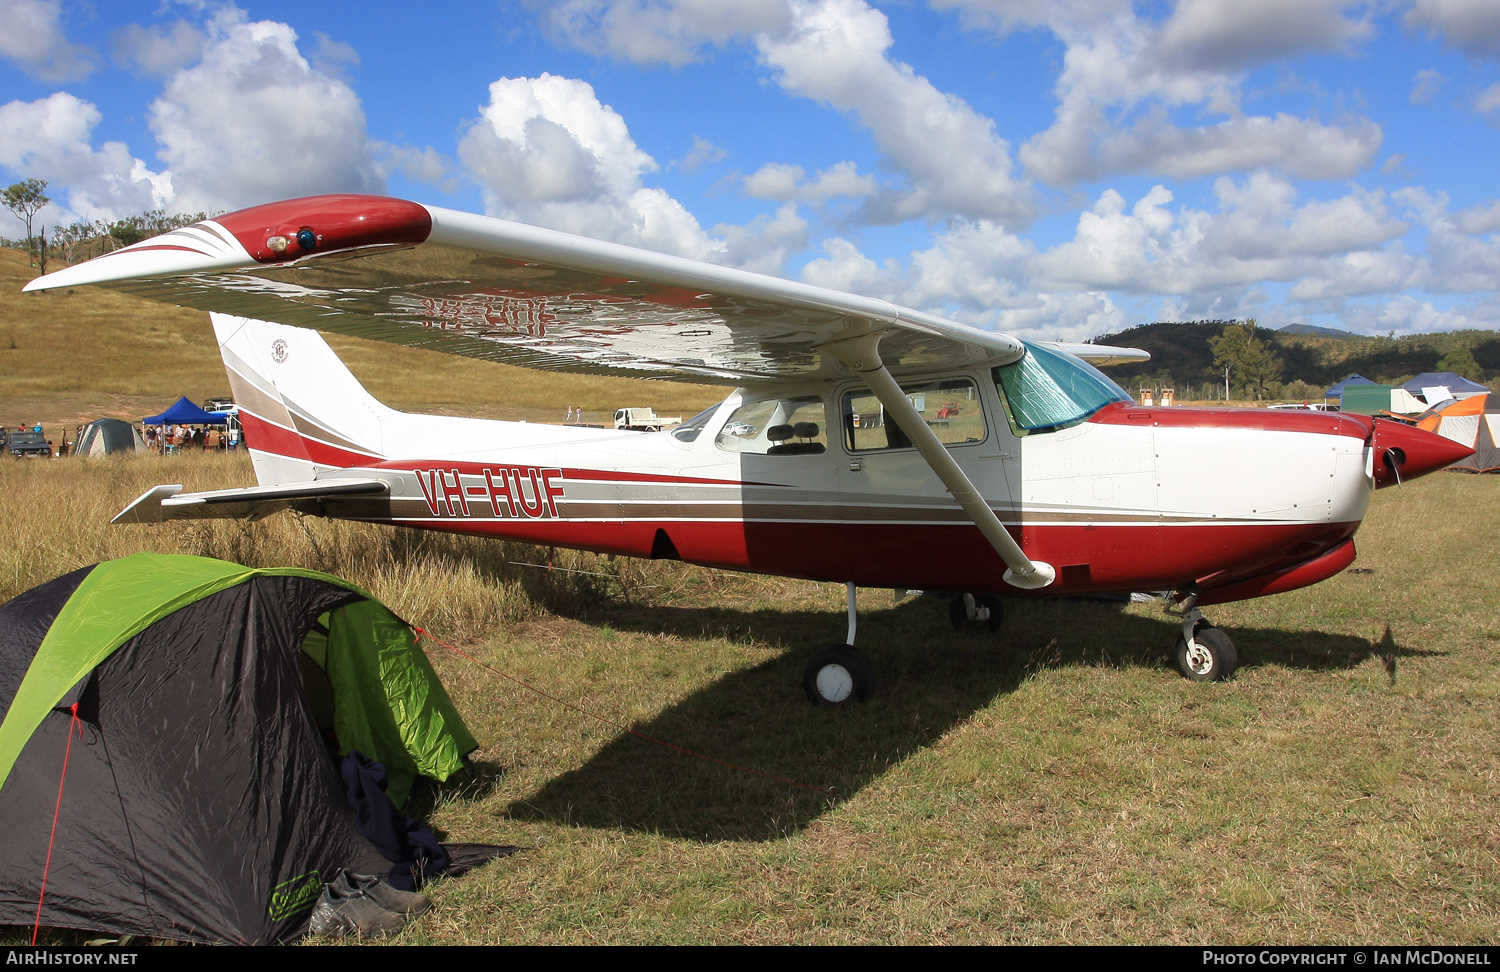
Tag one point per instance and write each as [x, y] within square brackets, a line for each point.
[1210, 658]
[838, 675]
[976, 612]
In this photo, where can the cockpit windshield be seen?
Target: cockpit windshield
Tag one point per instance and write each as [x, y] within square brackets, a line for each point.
[688, 431]
[1046, 389]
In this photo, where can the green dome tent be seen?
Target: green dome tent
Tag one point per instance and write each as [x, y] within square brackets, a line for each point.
[193, 703]
[103, 437]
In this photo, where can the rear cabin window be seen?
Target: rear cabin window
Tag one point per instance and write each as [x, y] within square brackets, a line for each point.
[950, 407]
[777, 427]
[1046, 390]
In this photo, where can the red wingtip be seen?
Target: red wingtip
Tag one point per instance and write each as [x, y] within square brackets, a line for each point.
[269, 233]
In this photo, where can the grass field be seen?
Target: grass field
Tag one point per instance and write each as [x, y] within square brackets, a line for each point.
[1058, 782]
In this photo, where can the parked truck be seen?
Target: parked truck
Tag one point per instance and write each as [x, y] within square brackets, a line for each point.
[643, 420]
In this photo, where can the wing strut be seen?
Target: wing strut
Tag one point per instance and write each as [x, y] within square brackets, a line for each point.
[862, 353]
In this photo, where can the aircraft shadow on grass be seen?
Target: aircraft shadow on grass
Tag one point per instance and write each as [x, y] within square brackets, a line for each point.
[930, 679]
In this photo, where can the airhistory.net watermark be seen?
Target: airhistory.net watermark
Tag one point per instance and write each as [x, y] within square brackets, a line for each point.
[56, 956]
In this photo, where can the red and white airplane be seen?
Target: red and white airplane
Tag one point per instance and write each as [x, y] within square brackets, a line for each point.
[863, 442]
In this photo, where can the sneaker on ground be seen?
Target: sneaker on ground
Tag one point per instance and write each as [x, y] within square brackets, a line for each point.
[378, 891]
[337, 915]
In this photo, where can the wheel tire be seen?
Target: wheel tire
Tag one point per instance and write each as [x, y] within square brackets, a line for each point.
[958, 613]
[1216, 659]
[838, 675]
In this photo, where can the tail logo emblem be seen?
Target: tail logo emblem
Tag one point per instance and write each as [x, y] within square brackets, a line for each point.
[278, 351]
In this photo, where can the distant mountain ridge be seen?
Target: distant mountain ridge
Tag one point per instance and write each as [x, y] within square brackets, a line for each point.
[1313, 329]
[1181, 356]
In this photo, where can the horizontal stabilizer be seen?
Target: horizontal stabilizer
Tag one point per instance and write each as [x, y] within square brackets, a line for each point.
[163, 503]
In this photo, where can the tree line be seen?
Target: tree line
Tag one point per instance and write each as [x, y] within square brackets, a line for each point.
[85, 239]
[1219, 359]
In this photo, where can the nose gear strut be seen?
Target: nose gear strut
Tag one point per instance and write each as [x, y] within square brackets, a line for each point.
[1204, 653]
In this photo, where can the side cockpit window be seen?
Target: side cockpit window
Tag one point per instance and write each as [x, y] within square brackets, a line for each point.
[777, 427]
[950, 407]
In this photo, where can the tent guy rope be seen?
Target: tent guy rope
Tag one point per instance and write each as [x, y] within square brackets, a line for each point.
[73, 724]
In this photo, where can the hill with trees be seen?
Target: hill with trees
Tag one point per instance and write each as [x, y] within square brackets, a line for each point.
[1183, 356]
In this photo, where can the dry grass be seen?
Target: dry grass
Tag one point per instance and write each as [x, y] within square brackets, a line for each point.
[459, 585]
[1059, 783]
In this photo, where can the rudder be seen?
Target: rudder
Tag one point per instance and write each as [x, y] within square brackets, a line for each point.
[301, 408]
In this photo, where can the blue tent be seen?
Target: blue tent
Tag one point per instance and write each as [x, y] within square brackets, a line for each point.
[185, 413]
[1337, 391]
[1456, 383]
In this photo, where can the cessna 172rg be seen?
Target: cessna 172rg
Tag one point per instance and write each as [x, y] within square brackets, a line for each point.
[863, 442]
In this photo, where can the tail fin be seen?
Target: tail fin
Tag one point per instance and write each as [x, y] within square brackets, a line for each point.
[301, 408]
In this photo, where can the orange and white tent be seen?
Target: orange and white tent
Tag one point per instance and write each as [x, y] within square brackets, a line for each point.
[1473, 422]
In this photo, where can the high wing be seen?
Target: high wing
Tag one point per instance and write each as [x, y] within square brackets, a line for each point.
[1101, 354]
[397, 271]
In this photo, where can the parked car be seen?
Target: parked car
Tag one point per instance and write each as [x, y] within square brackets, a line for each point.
[28, 445]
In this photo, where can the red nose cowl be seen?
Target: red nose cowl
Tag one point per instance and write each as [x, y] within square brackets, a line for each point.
[1404, 452]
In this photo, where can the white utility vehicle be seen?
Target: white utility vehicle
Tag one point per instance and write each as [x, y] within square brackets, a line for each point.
[643, 420]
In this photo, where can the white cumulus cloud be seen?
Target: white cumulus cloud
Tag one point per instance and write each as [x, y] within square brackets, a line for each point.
[1425, 85]
[702, 153]
[1216, 35]
[1488, 101]
[953, 161]
[661, 31]
[32, 38]
[546, 151]
[949, 157]
[1471, 26]
[1207, 262]
[1124, 74]
[51, 139]
[782, 182]
[157, 51]
[253, 121]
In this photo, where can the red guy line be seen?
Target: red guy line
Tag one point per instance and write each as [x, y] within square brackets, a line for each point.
[35, 929]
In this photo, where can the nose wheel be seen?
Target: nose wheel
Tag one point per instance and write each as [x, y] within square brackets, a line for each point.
[1204, 653]
[976, 612]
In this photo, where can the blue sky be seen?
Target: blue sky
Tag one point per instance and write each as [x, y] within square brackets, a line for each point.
[1055, 168]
